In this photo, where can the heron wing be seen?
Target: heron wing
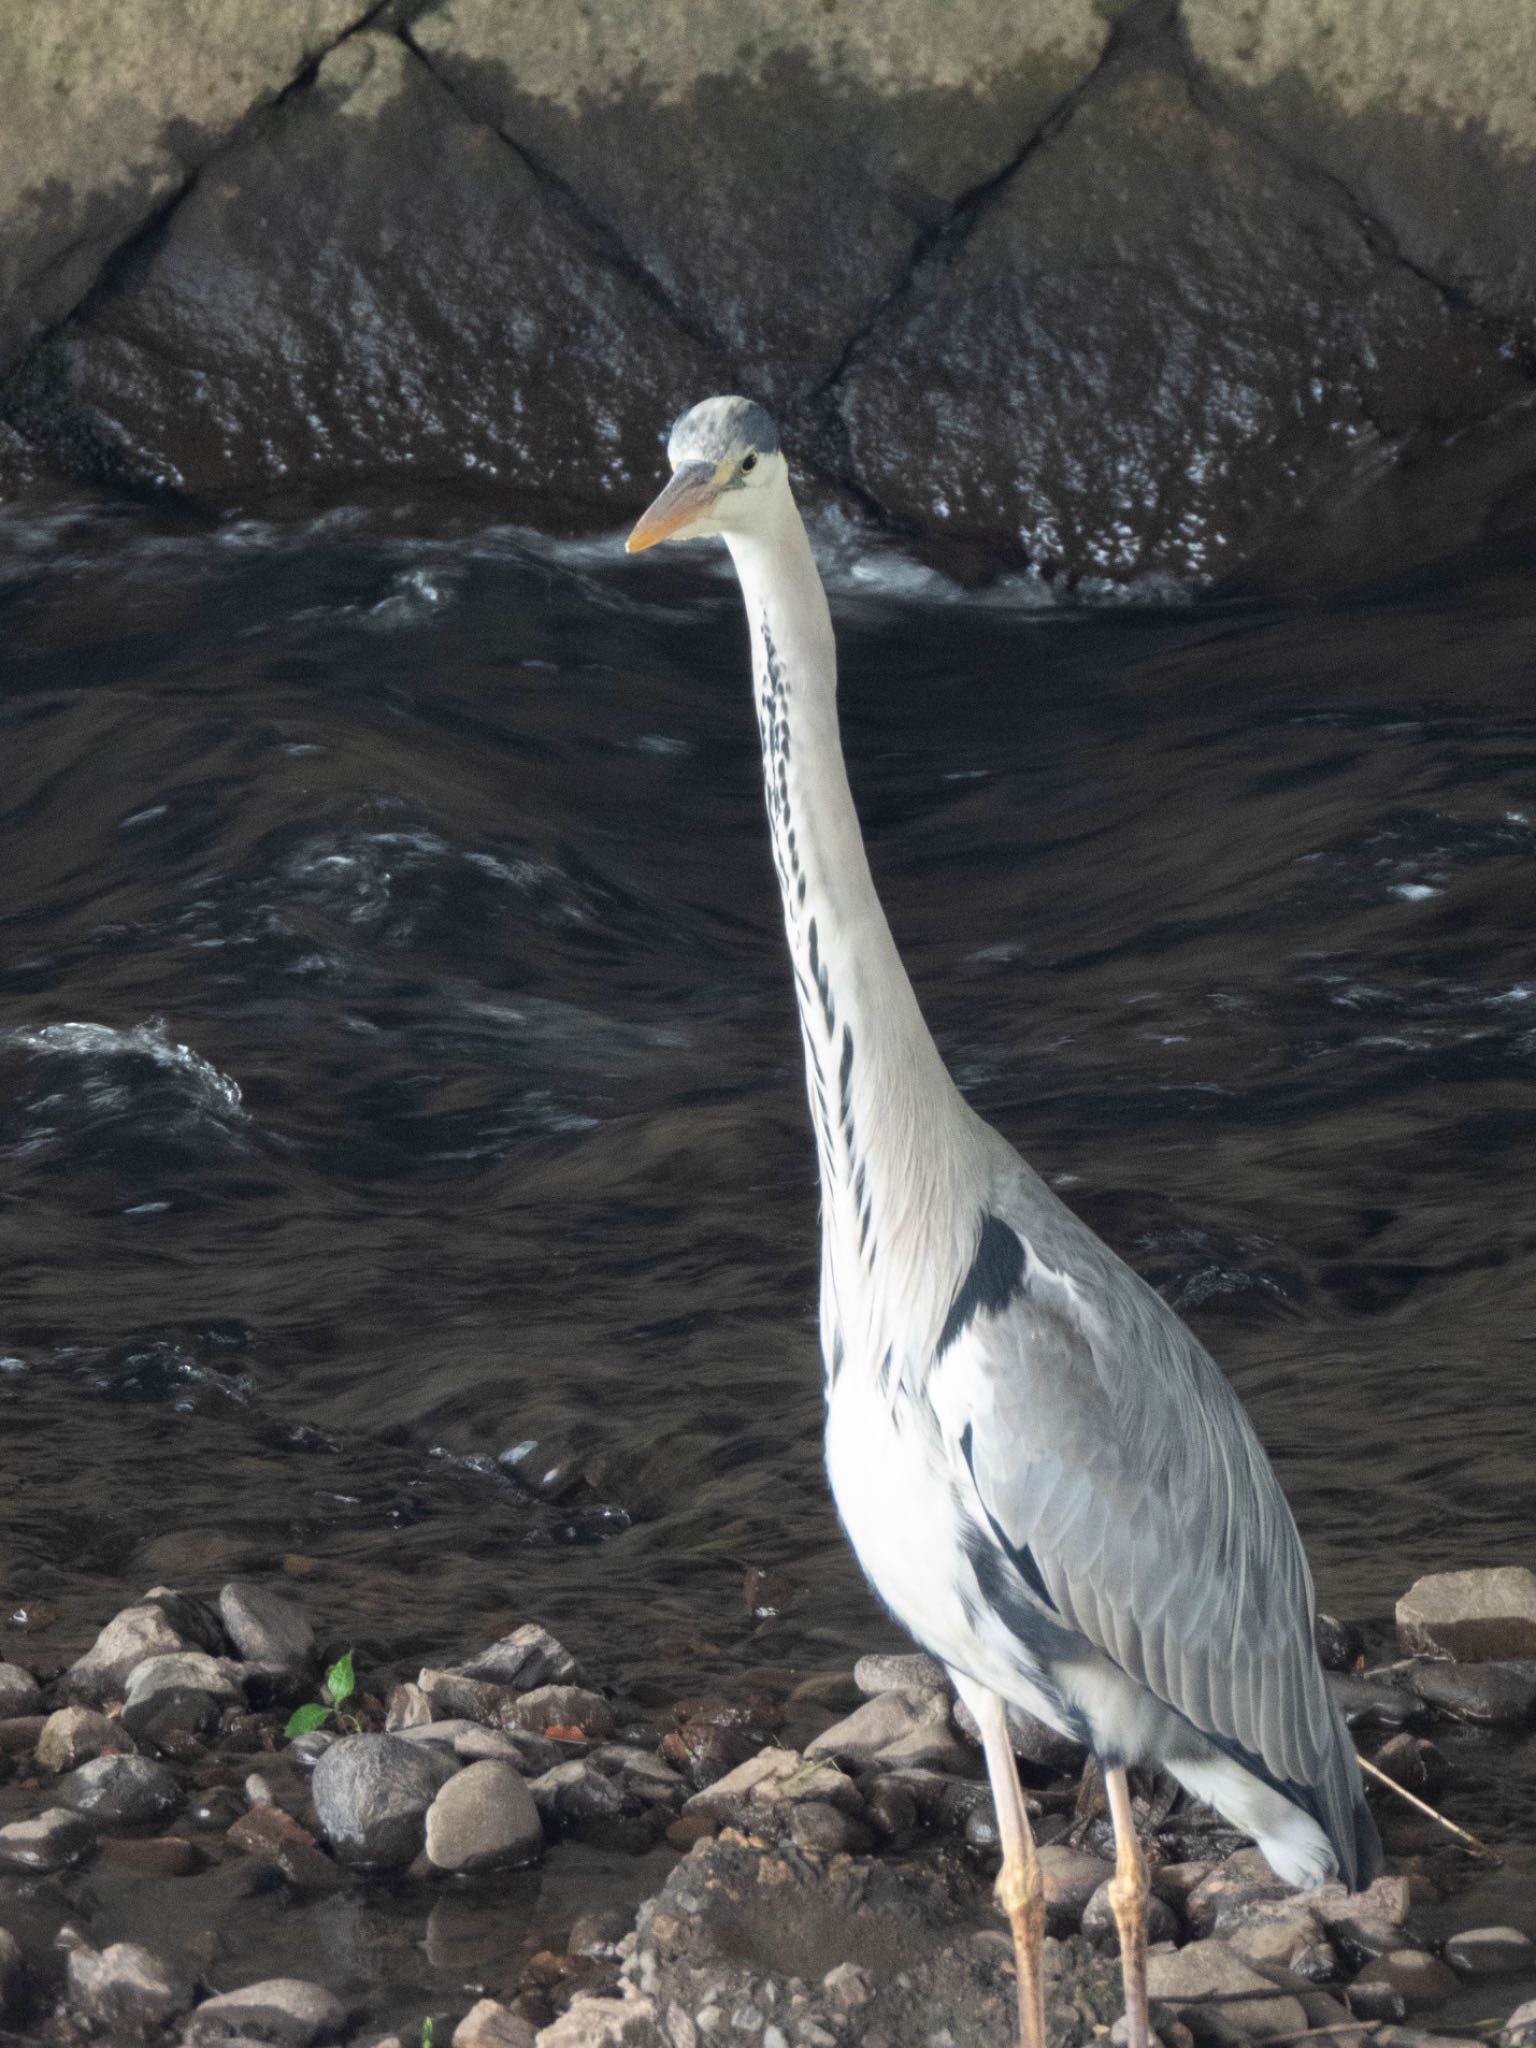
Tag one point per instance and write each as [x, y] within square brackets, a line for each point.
[1112, 1464]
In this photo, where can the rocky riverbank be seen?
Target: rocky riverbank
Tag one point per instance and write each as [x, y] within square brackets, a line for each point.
[800, 1863]
[1123, 288]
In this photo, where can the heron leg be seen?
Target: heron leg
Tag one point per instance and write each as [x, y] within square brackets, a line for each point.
[1128, 1892]
[1020, 1890]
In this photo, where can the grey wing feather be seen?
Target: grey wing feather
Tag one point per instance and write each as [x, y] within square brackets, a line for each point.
[1105, 1441]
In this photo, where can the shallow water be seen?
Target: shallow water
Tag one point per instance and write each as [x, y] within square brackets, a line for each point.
[404, 1164]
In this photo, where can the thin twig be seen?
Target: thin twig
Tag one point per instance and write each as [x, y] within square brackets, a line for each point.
[1424, 1806]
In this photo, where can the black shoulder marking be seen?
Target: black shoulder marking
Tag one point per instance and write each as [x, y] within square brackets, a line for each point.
[996, 1276]
[1049, 1642]
[1019, 1555]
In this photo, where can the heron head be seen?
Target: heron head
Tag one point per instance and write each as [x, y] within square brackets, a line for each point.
[724, 454]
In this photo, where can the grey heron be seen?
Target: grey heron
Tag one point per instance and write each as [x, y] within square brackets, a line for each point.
[1044, 1475]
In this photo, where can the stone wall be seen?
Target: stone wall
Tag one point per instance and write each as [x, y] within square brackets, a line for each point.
[1120, 289]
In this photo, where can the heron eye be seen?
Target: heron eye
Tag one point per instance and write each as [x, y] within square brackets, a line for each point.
[748, 462]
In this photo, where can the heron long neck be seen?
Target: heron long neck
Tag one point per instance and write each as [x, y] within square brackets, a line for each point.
[889, 1122]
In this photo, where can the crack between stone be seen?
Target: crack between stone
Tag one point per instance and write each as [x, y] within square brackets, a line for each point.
[939, 244]
[1209, 100]
[155, 222]
[598, 230]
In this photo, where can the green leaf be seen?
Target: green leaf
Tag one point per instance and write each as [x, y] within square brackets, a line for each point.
[339, 1680]
[305, 1720]
[426, 2032]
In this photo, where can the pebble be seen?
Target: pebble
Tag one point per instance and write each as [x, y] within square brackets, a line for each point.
[267, 1627]
[563, 1706]
[1490, 1952]
[152, 1856]
[1371, 1703]
[916, 1673]
[527, 1658]
[275, 1836]
[406, 1707]
[283, 2010]
[174, 1720]
[19, 1735]
[1498, 1694]
[1422, 1981]
[575, 1796]
[1471, 1615]
[1099, 1924]
[1520, 2028]
[76, 1734]
[520, 1747]
[1241, 1881]
[125, 1985]
[46, 1842]
[452, 1696]
[371, 1794]
[1267, 1930]
[818, 1829]
[892, 1729]
[215, 1809]
[598, 1933]
[19, 1692]
[1340, 1645]
[143, 1630]
[121, 1791]
[616, 2023]
[1185, 1978]
[484, 1818]
[489, 2025]
[1413, 1763]
[643, 1775]
[1070, 1878]
[848, 1987]
[184, 1671]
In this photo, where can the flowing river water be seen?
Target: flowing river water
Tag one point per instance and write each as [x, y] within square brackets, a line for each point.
[404, 1162]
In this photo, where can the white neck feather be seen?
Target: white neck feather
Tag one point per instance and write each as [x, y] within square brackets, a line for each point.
[894, 1137]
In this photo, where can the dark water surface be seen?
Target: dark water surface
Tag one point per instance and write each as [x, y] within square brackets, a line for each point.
[398, 1066]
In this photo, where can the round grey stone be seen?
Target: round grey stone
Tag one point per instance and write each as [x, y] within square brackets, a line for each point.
[484, 1818]
[371, 1795]
[121, 1791]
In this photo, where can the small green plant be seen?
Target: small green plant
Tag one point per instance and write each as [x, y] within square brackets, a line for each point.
[426, 2032]
[340, 1684]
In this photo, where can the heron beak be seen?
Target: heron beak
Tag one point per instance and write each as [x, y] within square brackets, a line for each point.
[690, 495]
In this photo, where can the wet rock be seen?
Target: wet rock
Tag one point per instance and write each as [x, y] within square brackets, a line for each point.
[489, 2025]
[19, 1692]
[175, 1720]
[19, 1736]
[1384, 1902]
[268, 1627]
[184, 1671]
[371, 1795]
[471, 1742]
[778, 1777]
[860, 127]
[1098, 1918]
[1519, 2030]
[1370, 1703]
[1490, 1952]
[892, 1729]
[529, 1657]
[1500, 1694]
[640, 1774]
[606, 2023]
[879, 1673]
[1047, 288]
[1070, 1878]
[121, 1791]
[76, 1734]
[137, 1633]
[1034, 1741]
[1413, 1763]
[45, 1842]
[485, 1818]
[1319, 1963]
[1340, 1645]
[1265, 1930]
[215, 1809]
[106, 128]
[576, 1796]
[275, 1836]
[452, 1696]
[765, 1594]
[817, 1829]
[1472, 1615]
[1376, 2001]
[562, 1706]
[155, 1856]
[406, 1707]
[126, 1986]
[283, 2010]
[287, 379]
[1241, 1881]
[1189, 1979]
